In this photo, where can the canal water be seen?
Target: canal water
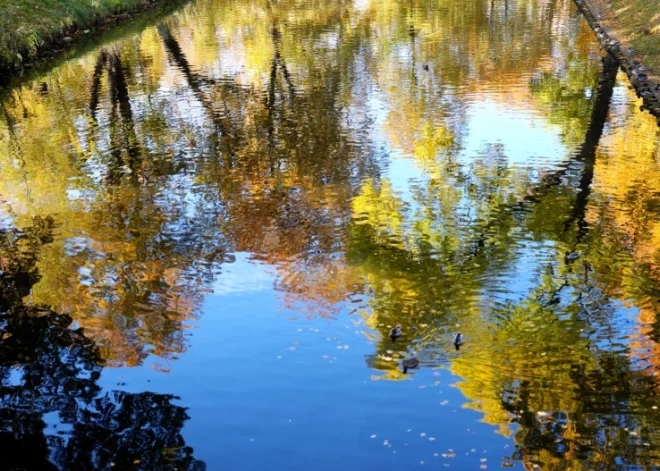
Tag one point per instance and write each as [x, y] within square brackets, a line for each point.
[211, 218]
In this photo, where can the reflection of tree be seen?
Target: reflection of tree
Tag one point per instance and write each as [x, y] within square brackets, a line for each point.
[268, 166]
[613, 421]
[427, 269]
[431, 266]
[587, 154]
[582, 163]
[277, 159]
[219, 117]
[124, 430]
[594, 404]
[279, 145]
[46, 368]
[58, 369]
[122, 128]
[52, 368]
[129, 295]
[123, 137]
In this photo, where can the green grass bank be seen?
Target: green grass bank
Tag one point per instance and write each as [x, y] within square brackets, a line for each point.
[29, 28]
[636, 23]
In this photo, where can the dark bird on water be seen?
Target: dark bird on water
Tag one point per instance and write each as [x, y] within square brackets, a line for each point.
[395, 333]
[410, 363]
[571, 257]
[458, 340]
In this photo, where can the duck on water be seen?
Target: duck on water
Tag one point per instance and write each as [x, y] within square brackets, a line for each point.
[409, 363]
[395, 333]
[458, 340]
[412, 363]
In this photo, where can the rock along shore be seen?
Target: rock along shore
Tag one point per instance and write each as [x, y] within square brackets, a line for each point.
[646, 86]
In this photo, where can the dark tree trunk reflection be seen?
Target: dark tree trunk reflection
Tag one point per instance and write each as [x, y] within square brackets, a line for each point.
[46, 367]
[587, 154]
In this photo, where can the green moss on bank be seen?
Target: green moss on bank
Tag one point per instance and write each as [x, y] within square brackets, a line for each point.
[26, 25]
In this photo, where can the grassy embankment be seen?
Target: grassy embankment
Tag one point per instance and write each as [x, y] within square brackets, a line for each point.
[636, 23]
[27, 27]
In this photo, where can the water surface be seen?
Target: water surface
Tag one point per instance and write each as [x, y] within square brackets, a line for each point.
[209, 225]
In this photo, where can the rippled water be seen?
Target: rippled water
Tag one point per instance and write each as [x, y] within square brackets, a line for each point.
[210, 221]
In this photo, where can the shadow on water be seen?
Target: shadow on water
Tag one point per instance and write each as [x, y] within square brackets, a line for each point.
[53, 415]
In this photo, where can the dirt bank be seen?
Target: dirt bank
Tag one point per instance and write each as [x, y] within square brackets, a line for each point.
[630, 31]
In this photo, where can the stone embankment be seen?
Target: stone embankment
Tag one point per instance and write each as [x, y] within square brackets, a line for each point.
[642, 77]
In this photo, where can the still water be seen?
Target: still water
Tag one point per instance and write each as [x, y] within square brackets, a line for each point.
[211, 219]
